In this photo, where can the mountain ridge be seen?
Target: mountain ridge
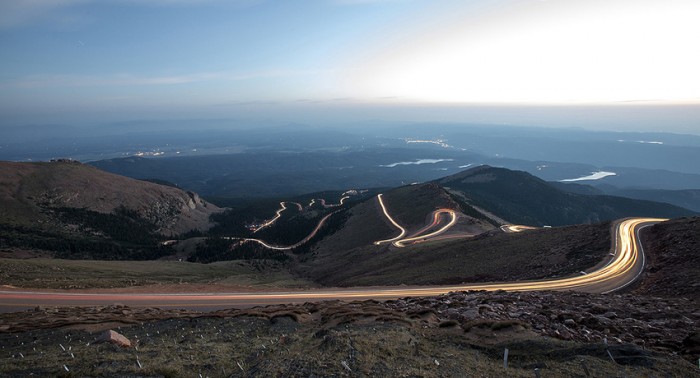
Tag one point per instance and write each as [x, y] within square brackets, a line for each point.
[522, 198]
[28, 190]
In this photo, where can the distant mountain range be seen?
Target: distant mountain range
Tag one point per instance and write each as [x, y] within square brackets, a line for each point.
[281, 174]
[687, 198]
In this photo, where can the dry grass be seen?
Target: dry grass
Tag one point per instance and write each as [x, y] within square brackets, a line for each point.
[61, 274]
[492, 257]
[257, 347]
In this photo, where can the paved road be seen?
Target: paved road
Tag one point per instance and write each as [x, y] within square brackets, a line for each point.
[622, 269]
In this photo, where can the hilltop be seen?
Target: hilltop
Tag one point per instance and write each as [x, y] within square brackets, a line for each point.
[521, 198]
[45, 204]
[479, 252]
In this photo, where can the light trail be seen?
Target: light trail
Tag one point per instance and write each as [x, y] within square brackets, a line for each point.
[342, 202]
[285, 248]
[436, 216]
[386, 214]
[277, 216]
[512, 228]
[400, 241]
[623, 268]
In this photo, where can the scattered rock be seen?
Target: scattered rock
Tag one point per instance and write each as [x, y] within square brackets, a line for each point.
[114, 338]
[691, 344]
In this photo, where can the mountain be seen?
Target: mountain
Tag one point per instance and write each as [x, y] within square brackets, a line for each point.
[575, 188]
[32, 187]
[483, 197]
[518, 197]
[348, 256]
[79, 211]
[688, 198]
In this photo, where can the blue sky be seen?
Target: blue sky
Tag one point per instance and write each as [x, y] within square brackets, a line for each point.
[73, 61]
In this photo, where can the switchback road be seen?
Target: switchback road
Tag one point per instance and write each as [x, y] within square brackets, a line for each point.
[623, 268]
[420, 235]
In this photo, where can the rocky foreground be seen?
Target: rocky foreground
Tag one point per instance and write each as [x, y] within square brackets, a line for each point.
[461, 334]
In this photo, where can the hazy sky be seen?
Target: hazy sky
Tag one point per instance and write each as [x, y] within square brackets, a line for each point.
[621, 64]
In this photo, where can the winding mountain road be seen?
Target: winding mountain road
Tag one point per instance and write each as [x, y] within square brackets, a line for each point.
[623, 268]
[288, 247]
[420, 235]
[278, 214]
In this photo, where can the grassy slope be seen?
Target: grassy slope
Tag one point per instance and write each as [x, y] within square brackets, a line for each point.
[492, 257]
[61, 274]
[24, 187]
[411, 205]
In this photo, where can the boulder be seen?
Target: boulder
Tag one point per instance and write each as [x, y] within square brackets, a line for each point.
[114, 338]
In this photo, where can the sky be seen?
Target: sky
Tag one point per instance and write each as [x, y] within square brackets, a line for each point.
[608, 64]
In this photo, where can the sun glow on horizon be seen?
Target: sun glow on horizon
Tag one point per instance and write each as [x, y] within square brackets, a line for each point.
[564, 52]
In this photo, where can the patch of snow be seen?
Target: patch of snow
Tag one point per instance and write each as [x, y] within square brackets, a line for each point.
[440, 142]
[465, 166]
[417, 162]
[593, 176]
[649, 142]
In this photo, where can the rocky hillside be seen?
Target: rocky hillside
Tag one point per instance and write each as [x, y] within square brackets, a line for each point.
[27, 190]
[548, 334]
[673, 259]
[518, 197]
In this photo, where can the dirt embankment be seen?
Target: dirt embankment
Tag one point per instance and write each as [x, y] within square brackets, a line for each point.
[673, 259]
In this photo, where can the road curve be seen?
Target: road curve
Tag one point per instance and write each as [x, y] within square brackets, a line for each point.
[278, 214]
[620, 271]
[419, 236]
[513, 228]
[285, 248]
[386, 214]
[400, 241]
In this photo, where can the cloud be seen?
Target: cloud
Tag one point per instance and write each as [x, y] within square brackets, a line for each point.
[44, 81]
[15, 13]
[19, 12]
[361, 2]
